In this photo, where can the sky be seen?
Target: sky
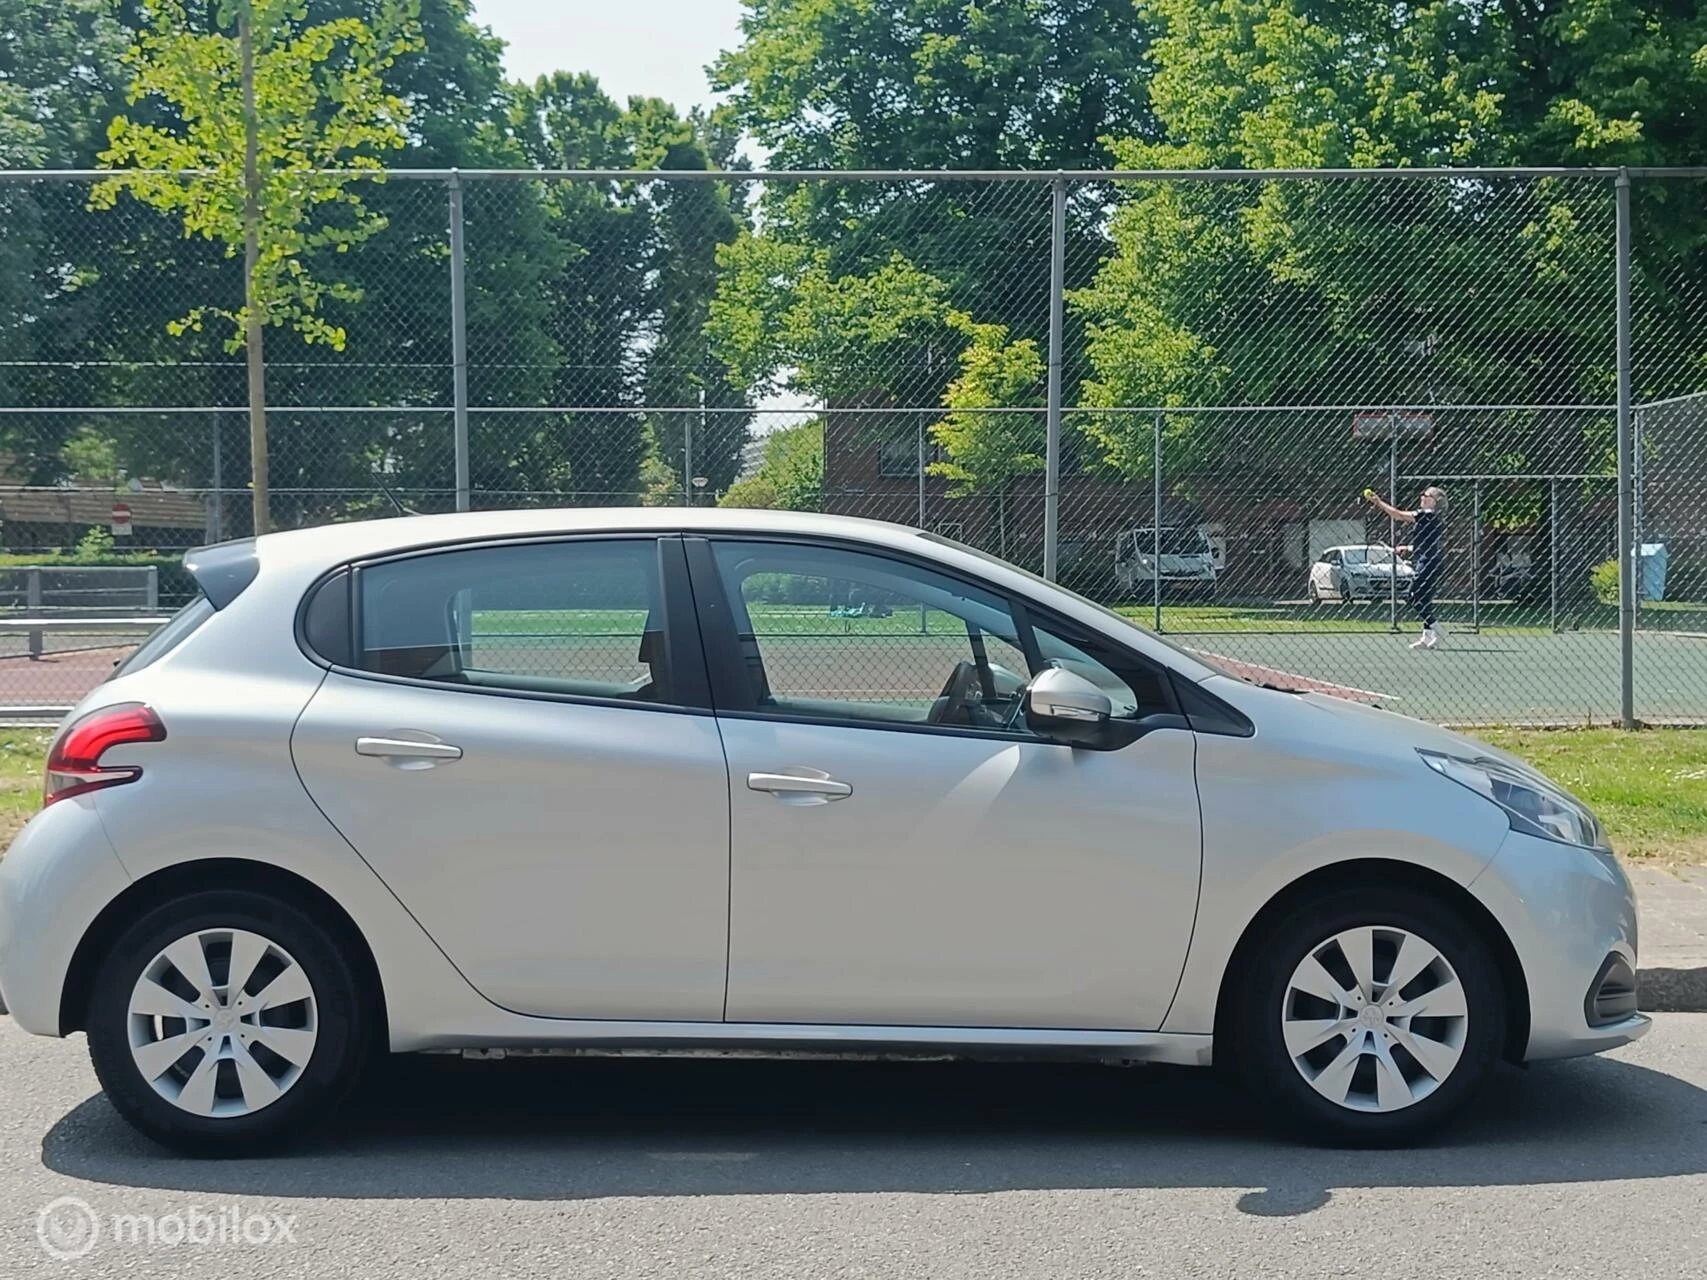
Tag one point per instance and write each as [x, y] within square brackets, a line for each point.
[659, 48]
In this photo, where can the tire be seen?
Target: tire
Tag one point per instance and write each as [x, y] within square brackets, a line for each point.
[1392, 1098]
[323, 1040]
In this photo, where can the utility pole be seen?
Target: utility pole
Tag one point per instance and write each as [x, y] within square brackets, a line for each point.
[254, 322]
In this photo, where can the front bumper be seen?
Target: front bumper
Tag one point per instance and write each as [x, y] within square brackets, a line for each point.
[1566, 910]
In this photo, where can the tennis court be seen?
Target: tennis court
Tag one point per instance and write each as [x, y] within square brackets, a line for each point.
[1491, 677]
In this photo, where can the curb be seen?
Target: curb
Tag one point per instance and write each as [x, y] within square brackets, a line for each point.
[1672, 990]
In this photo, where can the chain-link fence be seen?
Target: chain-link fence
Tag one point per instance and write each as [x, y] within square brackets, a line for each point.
[1169, 391]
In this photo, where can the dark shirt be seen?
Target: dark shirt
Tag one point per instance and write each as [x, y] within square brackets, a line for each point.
[1426, 553]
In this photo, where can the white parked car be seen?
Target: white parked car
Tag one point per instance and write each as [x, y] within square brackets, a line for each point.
[1362, 572]
[599, 781]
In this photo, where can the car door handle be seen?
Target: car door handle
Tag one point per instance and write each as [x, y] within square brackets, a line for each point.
[407, 749]
[807, 786]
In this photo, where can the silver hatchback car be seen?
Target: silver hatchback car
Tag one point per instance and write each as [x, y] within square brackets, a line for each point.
[753, 782]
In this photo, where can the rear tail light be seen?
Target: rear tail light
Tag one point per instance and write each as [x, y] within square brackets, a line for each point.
[74, 764]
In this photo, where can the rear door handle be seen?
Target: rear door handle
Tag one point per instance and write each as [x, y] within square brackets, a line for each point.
[407, 749]
[806, 786]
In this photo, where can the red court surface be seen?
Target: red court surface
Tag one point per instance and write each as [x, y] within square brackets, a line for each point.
[55, 679]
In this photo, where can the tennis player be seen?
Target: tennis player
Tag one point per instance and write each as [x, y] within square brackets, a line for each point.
[1428, 555]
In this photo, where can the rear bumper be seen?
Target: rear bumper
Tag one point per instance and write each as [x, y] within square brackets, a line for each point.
[1566, 910]
[56, 878]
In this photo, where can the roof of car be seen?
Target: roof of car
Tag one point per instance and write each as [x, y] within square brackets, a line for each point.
[303, 553]
[359, 538]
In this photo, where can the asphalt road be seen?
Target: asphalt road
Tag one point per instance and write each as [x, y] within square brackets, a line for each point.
[680, 1169]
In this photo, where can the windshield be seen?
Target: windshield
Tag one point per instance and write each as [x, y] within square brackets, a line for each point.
[1368, 555]
[1175, 542]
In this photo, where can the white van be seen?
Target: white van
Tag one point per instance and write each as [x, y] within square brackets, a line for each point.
[1187, 566]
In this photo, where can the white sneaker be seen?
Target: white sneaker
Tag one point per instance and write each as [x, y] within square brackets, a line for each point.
[1433, 637]
[1422, 641]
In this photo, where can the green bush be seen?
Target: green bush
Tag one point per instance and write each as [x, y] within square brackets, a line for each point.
[1604, 578]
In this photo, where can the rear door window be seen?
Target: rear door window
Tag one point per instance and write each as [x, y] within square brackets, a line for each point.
[580, 618]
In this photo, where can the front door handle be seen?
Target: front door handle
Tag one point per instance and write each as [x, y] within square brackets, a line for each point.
[804, 786]
[407, 751]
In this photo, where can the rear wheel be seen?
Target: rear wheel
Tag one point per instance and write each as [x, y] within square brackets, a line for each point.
[226, 1022]
[1369, 1017]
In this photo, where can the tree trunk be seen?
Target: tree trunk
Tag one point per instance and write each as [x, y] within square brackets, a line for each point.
[254, 321]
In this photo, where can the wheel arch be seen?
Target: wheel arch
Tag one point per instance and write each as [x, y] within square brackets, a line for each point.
[214, 874]
[1382, 873]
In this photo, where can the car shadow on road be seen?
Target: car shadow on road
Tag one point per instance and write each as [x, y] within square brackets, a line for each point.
[550, 1130]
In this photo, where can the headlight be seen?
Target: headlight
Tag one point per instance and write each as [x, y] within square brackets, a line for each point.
[1534, 808]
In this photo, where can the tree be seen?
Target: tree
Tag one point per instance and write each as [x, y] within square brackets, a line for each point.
[986, 449]
[790, 477]
[939, 84]
[689, 222]
[781, 317]
[60, 73]
[259, 114]
[1300, 292]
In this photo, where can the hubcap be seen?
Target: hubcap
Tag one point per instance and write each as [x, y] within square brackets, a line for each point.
[1374, 1018]
[222, 1022]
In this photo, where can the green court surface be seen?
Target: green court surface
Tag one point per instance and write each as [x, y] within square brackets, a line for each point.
[1491, 677]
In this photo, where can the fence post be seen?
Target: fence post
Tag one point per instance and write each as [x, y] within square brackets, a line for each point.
[216, 511]
[1393, 531]
[1156, 523]
[151, 592]
[687, 452]
[1626, 489]
[32, 602]
[921, 452]
[1476, 556]
[459, 346]
[1637, 537]
[1052, 428]
[1553, 554]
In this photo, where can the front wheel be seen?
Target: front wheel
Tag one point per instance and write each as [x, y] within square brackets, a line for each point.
[226, 1022]
[1368, 1017]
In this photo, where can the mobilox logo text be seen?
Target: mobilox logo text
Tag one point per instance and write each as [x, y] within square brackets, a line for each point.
[71, 1228]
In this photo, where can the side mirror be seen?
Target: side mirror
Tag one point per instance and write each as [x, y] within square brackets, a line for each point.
[1066, 707]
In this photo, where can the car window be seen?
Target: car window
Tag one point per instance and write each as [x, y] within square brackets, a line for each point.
[578, 618]
[841, 634]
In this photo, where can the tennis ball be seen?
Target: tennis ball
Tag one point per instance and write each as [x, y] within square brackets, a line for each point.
[1369, 493]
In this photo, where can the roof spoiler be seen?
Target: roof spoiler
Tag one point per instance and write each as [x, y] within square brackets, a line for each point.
[224, 569]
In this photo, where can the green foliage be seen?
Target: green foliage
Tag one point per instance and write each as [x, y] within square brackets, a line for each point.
[791, 475]
[864, 84]
[1299, 292]
[176, 584]
[985, 450]
[782, 312]
[1603, 578]
[321, 102]
[97, 544]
